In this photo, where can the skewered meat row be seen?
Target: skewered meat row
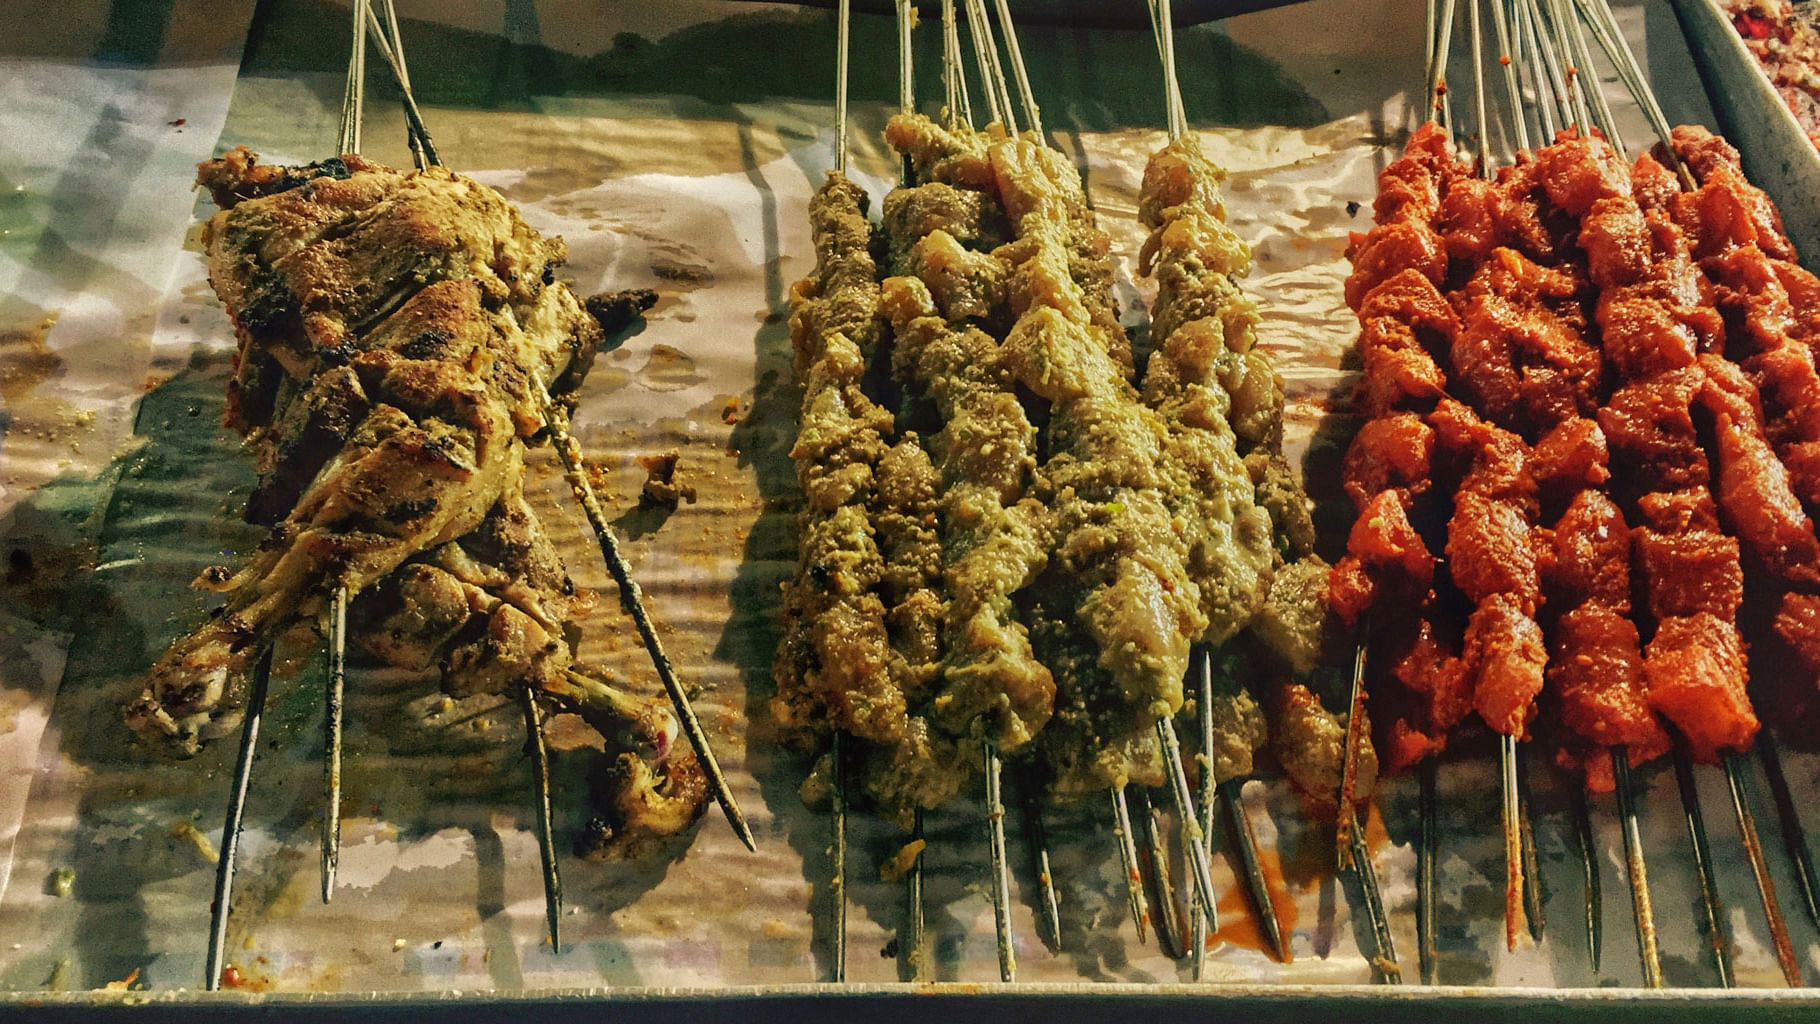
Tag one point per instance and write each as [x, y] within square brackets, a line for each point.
[1511, 332]
[1669, 386]
[1390, 470]
[1254, 560]
[1105, 615]
[1119, 487]
[1526, 358]
[394, 330]
[1771, 310]
[842, 664]
[833, 665]
[1686, 567]
[1071, 521]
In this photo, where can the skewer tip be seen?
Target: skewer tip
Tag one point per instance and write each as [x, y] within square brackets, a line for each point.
[1251, 863]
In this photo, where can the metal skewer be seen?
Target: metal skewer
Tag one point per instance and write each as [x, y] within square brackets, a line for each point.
[992, 77]
[391, 48]
[1441, 109]
[1794, 836]
[1426, 842]
[959, 106]
[1128, 858]
[1200, 932]
[1245, 840]
[919, 959]
[1710, 907]
[1155, 850]
[1350, 843]
[837, 873]
[1384, 958]
[1349, 753]
[1513, 839]
[1548, 98]
[1017, 67]
[1639, 871]
[1589, 866]
[1582, 56]
[236, 812]
[353, 95]
[1766, 885]
[1049, 921]
[1532, 871]
[1199, 866]
[1482, 126]
[546, 837]
[1001, 871]
[332, 707]
[1509, 60]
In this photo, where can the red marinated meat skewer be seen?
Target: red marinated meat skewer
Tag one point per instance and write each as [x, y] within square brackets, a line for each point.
[1771, 310]
[1404, 320]
[1651, 328]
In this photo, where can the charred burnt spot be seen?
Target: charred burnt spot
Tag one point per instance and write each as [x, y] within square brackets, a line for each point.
[19, 567]
[334, 167]
[426, 345]
[282, 534]
[617, 311]
[244, 635]
[549, 272]
[270, 309]
[341, 353]
[409, 510]
[594, 842]
[215, 575]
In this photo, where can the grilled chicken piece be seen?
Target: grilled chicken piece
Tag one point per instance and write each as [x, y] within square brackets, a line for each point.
[392, 328]
[395, 329]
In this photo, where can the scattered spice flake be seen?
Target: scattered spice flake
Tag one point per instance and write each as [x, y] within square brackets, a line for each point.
[127, 982]
[902, 862]
[660, 488]
[732, 412]
[184, 832]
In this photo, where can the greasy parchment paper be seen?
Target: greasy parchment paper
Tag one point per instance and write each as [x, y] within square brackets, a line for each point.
[680, 159]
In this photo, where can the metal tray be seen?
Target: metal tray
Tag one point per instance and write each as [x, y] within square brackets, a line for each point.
[1778, 155]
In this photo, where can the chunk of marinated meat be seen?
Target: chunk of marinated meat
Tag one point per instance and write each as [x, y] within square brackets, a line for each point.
[1309, 741]
[1390, 453]
[1697, 679]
